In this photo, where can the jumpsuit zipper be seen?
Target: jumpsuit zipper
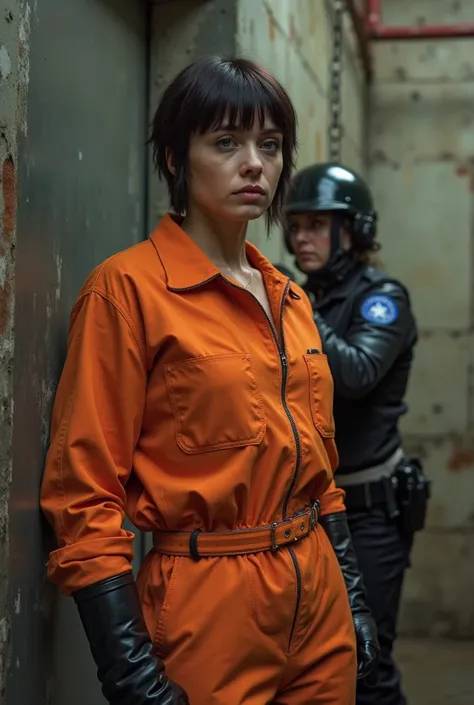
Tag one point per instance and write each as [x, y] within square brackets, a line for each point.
[284, 367]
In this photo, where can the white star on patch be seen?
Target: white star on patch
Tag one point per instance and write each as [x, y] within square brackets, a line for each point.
[379, 311]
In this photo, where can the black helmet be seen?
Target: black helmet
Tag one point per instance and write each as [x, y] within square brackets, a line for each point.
[328, 187]
[333, 187]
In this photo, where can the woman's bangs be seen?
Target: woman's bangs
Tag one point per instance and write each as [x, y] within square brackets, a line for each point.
[237, 101]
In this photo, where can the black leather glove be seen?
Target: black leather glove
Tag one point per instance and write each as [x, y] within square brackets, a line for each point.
[127, 666]
[368, 649]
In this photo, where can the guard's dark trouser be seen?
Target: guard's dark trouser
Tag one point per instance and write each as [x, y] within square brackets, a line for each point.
[383, 555]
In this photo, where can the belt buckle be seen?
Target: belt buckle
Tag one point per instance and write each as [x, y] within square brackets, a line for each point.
[273, 529]
[315, 508]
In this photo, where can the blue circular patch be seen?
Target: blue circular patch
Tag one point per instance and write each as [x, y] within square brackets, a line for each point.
[379, 309]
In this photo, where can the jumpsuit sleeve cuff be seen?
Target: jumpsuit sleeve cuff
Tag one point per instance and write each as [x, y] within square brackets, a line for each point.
[78, 565]
[332, 501]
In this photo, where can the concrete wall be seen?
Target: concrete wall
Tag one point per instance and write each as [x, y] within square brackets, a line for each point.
[422, 173]
[14, 21]
[291, 39]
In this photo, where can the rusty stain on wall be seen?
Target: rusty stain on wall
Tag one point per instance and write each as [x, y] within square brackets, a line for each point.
[5, 306]
[9, 197]
[292, 31]
[271, 27]
[466, 170]
[461, 460]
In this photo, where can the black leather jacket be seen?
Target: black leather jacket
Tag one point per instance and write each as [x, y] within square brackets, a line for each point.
[368, 333]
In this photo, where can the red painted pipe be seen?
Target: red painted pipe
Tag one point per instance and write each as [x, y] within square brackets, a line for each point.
[360, 30]
[373, 15]
[377, 31]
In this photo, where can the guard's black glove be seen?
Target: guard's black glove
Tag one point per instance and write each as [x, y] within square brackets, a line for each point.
[128, 667]
[368, 649]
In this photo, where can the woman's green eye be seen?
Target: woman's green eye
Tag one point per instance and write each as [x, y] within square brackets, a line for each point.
[272, 145]
[225, 142]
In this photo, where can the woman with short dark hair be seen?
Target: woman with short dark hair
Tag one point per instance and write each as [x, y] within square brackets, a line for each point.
[193, 400]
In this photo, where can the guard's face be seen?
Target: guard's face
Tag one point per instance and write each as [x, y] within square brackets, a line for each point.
[234, 173]
[310, 237]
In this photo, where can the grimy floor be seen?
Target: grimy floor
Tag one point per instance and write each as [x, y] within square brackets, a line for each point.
[437, 672]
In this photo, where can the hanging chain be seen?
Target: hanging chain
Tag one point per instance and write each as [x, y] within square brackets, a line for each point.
[335, 127]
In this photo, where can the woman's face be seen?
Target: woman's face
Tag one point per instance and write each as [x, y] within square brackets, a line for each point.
[234, 173]
[310, 237]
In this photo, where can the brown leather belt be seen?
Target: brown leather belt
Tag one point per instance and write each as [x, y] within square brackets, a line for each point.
[201, 544]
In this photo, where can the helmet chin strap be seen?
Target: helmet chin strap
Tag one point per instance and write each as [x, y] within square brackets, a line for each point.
[340, 261]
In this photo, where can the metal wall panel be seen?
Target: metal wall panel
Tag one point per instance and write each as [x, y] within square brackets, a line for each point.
[82, 192]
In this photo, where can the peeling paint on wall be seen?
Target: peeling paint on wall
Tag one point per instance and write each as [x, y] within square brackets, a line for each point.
[5, 62]
[14, 67]
[18, 602]
[24, 66]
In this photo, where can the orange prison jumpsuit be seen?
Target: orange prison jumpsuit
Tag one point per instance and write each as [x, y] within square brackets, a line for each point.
[174, 407]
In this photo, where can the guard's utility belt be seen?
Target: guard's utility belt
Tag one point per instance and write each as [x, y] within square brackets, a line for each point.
[201, 544]
[404, 493]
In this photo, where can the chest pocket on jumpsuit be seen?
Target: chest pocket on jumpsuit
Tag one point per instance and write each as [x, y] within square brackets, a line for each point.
[216, 402]
[321, 389]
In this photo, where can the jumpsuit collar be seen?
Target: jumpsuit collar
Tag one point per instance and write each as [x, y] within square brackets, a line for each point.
[187, 267]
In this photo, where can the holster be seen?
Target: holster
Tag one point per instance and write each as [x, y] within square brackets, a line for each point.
[404, 495]
[413, 494]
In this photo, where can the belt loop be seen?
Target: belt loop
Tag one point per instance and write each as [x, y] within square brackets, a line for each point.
[193, 545]
[315, 509]
[273, 529]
